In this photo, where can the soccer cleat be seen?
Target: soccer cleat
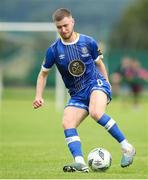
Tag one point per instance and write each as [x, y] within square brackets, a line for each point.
[79, 167]
[128, 156]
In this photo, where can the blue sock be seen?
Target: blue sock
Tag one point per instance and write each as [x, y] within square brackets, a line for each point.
[111, 126]
[73, 142]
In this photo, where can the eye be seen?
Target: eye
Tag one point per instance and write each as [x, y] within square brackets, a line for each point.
[59, 27]
[65, 25]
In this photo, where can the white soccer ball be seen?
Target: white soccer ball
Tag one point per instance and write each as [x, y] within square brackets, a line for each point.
[99, 159]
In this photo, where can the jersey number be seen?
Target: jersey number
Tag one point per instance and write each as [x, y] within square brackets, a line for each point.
[99, 81]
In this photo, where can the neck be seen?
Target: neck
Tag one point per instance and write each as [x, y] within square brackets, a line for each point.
[72, 38]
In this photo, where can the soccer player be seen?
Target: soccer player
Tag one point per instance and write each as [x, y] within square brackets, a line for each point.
[79, 61]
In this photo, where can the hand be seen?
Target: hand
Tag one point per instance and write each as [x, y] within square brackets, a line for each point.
[38, 102]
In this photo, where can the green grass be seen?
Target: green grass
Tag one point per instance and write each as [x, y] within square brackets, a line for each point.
[32, 143]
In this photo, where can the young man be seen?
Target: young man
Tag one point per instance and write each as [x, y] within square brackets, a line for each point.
[79, 62]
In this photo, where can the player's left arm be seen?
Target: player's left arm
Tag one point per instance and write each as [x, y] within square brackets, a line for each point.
[98, 58]
[102, 69]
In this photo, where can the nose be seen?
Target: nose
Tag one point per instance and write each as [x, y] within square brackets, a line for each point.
[63, 29]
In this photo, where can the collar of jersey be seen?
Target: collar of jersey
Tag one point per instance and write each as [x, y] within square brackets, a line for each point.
[70, 43]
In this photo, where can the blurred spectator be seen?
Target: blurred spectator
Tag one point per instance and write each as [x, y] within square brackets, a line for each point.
[132, 74]
[120, 75]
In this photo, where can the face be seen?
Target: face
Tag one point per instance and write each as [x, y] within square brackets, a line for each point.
[65, 27]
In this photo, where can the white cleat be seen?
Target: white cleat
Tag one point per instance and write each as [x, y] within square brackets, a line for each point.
[128, 156]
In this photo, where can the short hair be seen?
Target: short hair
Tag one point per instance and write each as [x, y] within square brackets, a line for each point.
[60, 14]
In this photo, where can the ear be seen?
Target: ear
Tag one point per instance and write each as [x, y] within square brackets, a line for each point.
[73, 21]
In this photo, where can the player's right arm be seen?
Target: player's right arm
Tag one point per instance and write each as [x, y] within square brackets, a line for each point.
[42, 78]
[41, 83]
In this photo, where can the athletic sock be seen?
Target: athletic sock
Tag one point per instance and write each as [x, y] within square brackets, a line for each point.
[79, 159]
[125, 144]
[74, 144]
[111, 126]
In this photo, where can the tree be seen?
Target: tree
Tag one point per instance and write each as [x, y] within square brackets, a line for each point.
[132, 31]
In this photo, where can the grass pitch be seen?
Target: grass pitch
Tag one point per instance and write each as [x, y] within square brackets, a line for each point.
[32, 143]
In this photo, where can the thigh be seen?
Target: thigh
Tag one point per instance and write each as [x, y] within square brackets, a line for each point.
[73, 116]
[97, 105]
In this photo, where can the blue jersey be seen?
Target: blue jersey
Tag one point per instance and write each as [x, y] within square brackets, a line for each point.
[75, 62]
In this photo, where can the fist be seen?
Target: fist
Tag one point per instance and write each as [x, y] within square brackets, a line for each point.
[38, 103]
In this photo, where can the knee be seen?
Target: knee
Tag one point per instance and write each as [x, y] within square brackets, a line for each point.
[96, 114]
[64, 124]
[67, 123]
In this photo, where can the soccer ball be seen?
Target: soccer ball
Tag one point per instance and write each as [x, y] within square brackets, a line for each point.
[99, 159]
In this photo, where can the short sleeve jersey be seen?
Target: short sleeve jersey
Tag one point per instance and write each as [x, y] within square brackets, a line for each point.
[75, 61]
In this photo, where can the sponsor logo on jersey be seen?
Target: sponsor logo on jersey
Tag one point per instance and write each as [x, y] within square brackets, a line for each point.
[61, 56]
[76, 68]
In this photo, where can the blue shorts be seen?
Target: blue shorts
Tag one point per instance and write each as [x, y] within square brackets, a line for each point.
[81, 99]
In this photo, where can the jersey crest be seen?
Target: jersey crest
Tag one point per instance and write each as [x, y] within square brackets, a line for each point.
[85, 52]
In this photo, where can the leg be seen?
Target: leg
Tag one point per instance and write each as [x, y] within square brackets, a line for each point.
[98, 102]
[72, 118]
[97, 105]
[136, 90]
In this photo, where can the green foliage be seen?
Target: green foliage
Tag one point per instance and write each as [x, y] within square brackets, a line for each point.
[131, 31]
